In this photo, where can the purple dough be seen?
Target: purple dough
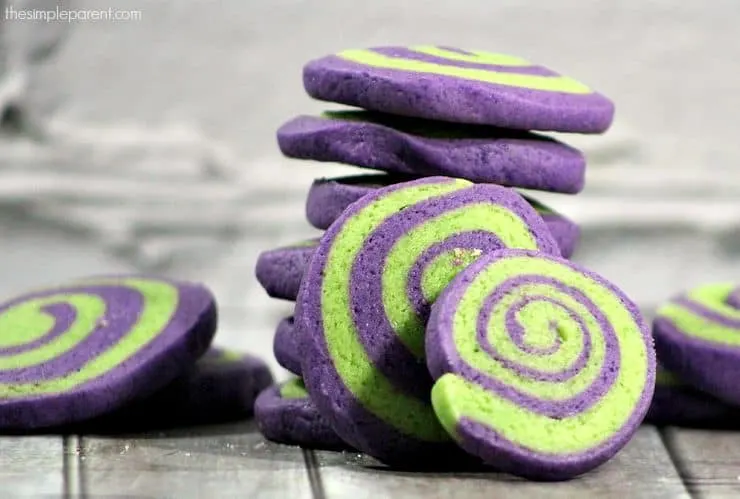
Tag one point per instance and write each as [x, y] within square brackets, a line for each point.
[285, 347]
[422, 148]
[328, 198]
[221, 386]
[294, 421]
[678, 404]
[134, 335]
[280, 270]
[345, 78]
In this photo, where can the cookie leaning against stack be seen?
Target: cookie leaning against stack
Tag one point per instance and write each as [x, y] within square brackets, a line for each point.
[117, 351]
[436, 120]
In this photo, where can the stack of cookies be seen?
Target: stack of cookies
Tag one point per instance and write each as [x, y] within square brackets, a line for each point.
[438, 319]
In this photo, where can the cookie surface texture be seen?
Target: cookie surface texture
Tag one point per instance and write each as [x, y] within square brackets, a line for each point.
[80, 350]
[460, 86]
[285, 346]
[543, 369]
[279, 271]
[423, 148]
[364, 301]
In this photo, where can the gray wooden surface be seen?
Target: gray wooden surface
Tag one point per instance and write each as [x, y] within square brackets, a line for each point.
[234, 461]
[708, 461]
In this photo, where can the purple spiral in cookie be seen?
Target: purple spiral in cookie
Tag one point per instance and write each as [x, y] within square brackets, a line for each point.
[543, 368]
[286, 414]
[364, 302]
[75, 352]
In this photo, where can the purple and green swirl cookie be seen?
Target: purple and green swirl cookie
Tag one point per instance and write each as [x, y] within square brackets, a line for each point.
[697, 337]
[74, 352]
[675, 403]
[543, 369]
[285, 414]
[460, 86]
[364, 301]
[280, 270]
[328, 198]
[285, 346]
[424, 148]
[222, 386]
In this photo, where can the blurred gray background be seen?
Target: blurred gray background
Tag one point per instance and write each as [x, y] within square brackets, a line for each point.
[149, 145]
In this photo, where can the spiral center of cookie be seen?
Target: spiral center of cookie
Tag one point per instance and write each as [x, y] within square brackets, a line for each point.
[544, 325]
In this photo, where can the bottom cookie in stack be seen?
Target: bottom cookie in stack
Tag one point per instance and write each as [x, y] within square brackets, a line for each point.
[285, 414]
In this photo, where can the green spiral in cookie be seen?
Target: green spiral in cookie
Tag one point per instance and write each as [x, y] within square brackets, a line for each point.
[70, 343]
[540, 361]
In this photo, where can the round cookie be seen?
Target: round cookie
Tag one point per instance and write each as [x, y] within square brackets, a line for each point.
[364, 300]
[328, 198]
[697, 337]
[280, 270]
[543, 369]
[677, 404]
[221, 386]
[74, 352]
[285, 346]
[285, 414]
[423, 148]
[450, 84]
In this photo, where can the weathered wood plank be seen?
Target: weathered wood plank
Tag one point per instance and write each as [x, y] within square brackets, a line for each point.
[642, 470]
[31, 467]
[709, 461]
[220, 461]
